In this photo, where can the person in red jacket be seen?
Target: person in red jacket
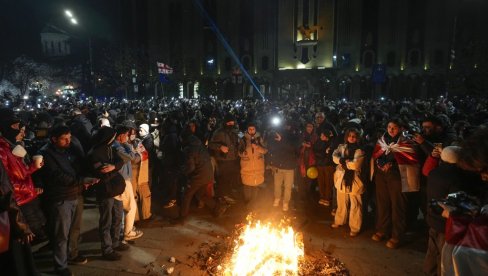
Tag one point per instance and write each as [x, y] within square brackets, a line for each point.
[19, 172]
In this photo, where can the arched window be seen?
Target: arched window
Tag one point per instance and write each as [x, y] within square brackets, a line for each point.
[391, 59]
[265, 63]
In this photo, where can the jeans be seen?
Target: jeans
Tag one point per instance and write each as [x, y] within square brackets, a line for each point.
[61, 216]
[74, 232]
[110, 223]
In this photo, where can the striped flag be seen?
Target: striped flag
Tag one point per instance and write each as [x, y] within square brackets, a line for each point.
[164, 69]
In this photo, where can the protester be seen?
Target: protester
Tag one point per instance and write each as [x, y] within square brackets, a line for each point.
[251, 153]
[396, 172]
[140, 178]
[106, 164]
[20, 170]
[15, 234]
[63, 184]
[198, 170]
[282, 146]
[128, 154]
[347, 181]
[224, 147]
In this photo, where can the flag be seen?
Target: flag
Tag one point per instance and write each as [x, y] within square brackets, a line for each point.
[163, 78]
[379, 73]
[164, 68]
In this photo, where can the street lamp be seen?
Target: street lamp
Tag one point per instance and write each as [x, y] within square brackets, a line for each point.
[74, 21]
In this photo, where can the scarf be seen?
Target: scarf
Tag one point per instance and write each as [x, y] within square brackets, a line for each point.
[348, 155]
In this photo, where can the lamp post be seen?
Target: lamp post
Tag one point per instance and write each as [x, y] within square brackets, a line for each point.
[74, 21]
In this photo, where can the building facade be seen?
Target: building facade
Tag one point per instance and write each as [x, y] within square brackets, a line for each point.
[329, 48]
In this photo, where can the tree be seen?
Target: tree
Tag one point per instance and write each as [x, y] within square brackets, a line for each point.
[8, 87]
[28, 74]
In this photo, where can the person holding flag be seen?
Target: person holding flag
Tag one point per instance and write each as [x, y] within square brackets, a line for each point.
[396, 171]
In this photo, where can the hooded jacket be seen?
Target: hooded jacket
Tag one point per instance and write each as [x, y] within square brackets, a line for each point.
[224, 136]
[252, 160]
[198, 167]
[101, 154]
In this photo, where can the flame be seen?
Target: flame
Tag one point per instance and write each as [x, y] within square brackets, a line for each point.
[266, 250]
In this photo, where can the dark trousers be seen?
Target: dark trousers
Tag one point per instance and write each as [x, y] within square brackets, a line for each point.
[250, 194]
[391, 204]
[325, 181]
[171, 185]
[200, 191]
[18, 260]
[61, 216]
[110, 223]
[74, 233]
[35, 217]
[228, 176]
[432, 262]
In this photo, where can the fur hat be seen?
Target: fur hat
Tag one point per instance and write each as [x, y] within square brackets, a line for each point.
[450, 154]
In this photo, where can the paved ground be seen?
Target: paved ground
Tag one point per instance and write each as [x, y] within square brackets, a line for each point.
[149, 255]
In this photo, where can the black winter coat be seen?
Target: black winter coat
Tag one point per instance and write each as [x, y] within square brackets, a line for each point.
[198, 167]
[61, 174]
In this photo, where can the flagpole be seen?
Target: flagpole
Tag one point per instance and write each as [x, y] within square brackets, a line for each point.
[162, 90]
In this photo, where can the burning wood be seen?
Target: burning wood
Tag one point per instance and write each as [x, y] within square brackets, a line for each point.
[264, 249]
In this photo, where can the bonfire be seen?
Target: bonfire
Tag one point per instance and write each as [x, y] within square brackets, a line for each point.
[266, 250]
[260, 248]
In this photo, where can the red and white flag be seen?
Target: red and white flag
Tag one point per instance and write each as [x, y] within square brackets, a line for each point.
[164, 68]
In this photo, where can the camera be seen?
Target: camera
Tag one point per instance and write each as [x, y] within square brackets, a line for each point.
[253, 140]
[460, 201]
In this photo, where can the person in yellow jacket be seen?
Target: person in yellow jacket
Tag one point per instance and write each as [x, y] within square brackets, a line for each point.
[251, 152]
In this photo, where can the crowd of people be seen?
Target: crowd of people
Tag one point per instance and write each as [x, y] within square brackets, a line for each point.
[387, 158]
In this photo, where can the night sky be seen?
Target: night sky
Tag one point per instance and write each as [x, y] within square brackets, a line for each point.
[21, 22]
